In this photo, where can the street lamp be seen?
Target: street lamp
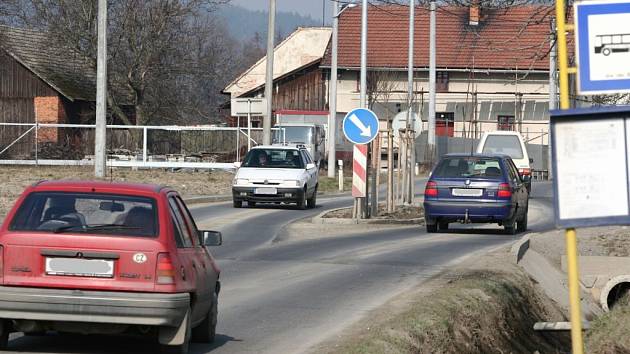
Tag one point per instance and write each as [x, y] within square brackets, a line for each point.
[332, 101]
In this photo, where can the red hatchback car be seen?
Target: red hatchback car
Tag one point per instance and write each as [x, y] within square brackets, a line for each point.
[110, 258]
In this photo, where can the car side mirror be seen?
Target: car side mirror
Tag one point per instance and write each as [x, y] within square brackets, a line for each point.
[211, 238]
[526, 178]
[237, 164]
[310, 165]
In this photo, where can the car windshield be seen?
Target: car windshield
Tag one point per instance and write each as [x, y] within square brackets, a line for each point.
[503, 144]
[87, 213]
[273, 158]
[468, 167]
[293, 135]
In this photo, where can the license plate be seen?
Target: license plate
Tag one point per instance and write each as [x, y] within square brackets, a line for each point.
[460, 192]
[78, 267]
[267, 190]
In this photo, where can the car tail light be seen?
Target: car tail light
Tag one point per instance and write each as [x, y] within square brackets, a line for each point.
[525, 171]
[504, 191]
[165, 270]
[431, 189]
[1, 264]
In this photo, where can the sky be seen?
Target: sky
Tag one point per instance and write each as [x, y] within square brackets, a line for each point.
[311, 8]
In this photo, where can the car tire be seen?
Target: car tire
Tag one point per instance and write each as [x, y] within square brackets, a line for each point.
[510, 227]
[182, 348]
[5, 330]
[251, 204]
[237, 203]
[606, 51]
[521, 225]
[301, 203]
[207, 329]
[443, 226]
[431, 228]
[312, 201]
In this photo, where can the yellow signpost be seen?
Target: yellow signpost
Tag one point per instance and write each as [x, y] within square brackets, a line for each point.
[570, 235]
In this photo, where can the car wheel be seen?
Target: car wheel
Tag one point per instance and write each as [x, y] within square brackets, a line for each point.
[312, 201]
[510, 227]
[432, 228]
[5, 330]
[443, 225]
[237, 203]
[301, 204]
[606, 51]
[521, 225]
[206, 331]
[251, 204]
[181, 348]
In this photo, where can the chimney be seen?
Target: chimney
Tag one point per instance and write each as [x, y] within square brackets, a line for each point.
[474, 13]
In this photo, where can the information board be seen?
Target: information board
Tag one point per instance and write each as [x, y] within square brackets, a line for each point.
[591, 163]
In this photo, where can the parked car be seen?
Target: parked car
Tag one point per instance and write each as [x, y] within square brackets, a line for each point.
[479, 188]
[276, 173]
[508, 143]
[110, 258]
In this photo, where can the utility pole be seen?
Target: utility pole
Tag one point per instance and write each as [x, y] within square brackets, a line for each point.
[410, 126]
[363, 86]
[432, 69]
[101, 92]
[269, 76]
[332, 100]
[553, 87]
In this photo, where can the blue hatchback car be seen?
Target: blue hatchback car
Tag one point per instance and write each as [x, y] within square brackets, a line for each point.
[478, 188]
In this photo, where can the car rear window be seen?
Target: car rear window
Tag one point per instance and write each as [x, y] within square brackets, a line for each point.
[468, 167]
[87, 213]
[273, 158]
[503, 144]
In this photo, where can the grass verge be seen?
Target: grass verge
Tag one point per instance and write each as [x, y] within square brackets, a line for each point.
[609, 332]
[477, 312]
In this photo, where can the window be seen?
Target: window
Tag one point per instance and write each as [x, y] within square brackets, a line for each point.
[87, 213]
[506, 123]
[468, 167]
[445, 124]
[503, 144]
[181, 230]
[441, 81]
[192, 227]
[273, 158]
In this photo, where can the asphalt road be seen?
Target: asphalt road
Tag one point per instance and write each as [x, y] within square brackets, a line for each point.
[284, 293]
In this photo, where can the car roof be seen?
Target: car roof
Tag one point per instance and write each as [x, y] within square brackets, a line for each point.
[492, 155]
[503, 132]
[279, 147]
[100, 186]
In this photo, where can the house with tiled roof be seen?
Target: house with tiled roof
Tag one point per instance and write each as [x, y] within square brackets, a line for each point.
[492, 68]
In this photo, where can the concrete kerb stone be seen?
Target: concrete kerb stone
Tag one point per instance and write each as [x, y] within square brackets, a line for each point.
[208, 199]
[520, 247]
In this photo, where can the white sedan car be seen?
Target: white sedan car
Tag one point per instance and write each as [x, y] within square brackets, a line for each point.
[280, 173]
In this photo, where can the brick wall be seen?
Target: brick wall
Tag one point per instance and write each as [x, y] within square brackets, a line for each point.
[49, 110]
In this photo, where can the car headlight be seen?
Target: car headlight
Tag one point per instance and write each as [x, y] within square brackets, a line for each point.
[241, 181]
[293, 183]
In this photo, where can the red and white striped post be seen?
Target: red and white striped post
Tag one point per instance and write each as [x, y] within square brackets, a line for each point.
[359, 170]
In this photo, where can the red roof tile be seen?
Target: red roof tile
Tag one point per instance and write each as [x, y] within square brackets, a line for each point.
[517, 37]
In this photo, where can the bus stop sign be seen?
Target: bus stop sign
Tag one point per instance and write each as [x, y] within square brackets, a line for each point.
[602, 33]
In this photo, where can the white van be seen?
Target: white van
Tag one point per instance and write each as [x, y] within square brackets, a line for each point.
[508, 143]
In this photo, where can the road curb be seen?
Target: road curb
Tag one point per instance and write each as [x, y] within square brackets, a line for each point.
[208, 199]
[520, 247]
[320, 219]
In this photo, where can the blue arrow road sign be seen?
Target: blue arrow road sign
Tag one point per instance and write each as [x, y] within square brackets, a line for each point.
[602, 32]
[360, 126]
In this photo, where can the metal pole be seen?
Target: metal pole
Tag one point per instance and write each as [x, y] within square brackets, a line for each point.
[269, 74]
[332, 101]
[571, 238]
[364, 19]
[432, 69]
[410, 125]
[144, 145]
[101, 92]
[553, 87]
[249, 124]
[238, 136]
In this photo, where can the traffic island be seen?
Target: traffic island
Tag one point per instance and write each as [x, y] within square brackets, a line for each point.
[403, 215]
